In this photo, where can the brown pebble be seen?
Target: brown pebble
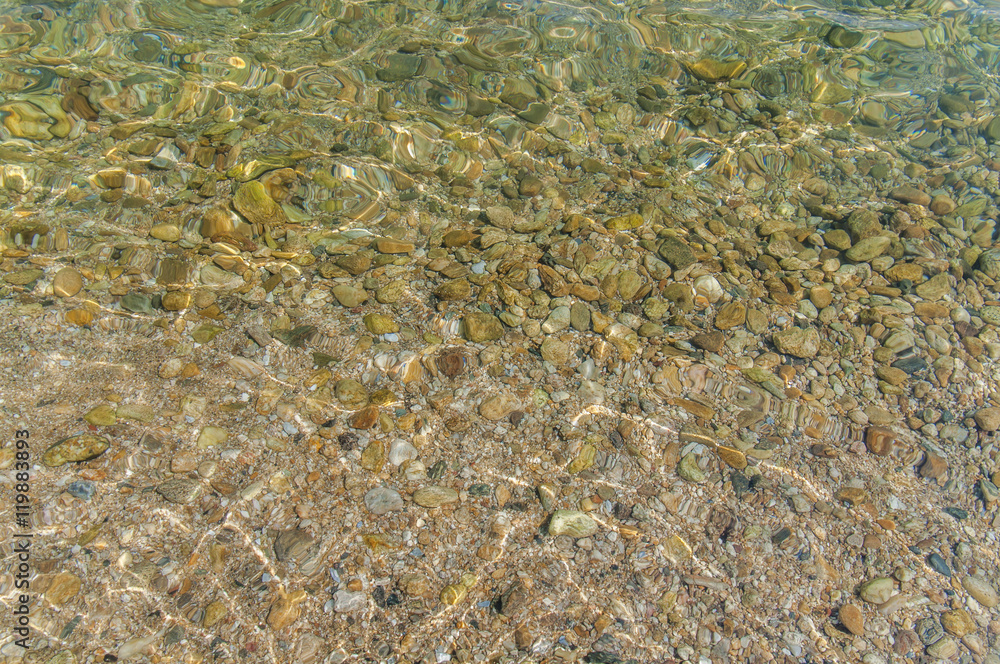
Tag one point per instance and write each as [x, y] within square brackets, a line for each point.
[852, 618]
[67, 282]
[879, 440]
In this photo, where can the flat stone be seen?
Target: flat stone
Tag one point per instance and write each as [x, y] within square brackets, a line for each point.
[732, 314]
[356, 263]
[935, 288]
[499, 406]
[579, 316]
[852, 618]
[80, 317]
[23, 277]
[863, 223]
[176, 300]
[689, 470]
[138, 412]
[958, 622]
[990, 314]
[453, 289]
[676, 253]
[373, 456]
[981, 590]
[388, 246]
[351, 393]
[624, 223]
[399, 67]
[934, 466]
[839, 239]
[556, 351]
[293, 545]
[435, 496]
[64, 587]
[943, 649]
[365, 418]
[379, 324]
[346, 601]
[732, 457]
[501, 216]
[928, 630]
[348, 296]
[286, 610]
[911, 365]
[712, 71]
[868, 248]
[910, 195]
[205, 333]
[214, 612]
[215, 277]
[136, 303]
[852, 495]
[180, 490]
[879, 440]
[942, 204]
[710, 341]
[910, 271]
[253, 203]
[988, 419]
[573, 523]
[165, 232]
[101, 416]
[557, 321]
[382, 500]
[757, 321]
[211, 436]
[82, 447]
[797, 341]
[479, 327]
[876, 591]
[938, 564]
[458, 238]
[82, 489]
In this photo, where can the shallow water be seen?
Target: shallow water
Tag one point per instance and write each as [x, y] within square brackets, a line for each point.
[209, 210]
[391, 82]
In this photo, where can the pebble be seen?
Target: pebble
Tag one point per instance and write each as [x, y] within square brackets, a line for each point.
[938, 564]
[293, 545]
[981, 590]
[853, 619]
[345, 601]
[180, 490]
[797, 342]
[958, 622]
[573, 523]
[876, 591]
[82, 489]
[382, 500]
[479, 327]
[988, 419]
[435, 496]
[63, 587]
[67, 282]
[82, 447]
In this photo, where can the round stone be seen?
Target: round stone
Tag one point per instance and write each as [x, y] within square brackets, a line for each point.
[67, 282]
